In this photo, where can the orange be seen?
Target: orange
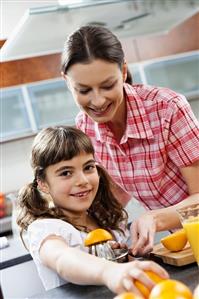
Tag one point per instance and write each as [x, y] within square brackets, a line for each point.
[144, 290]
[196, 292]
[175, 241]
[170, 289]
[96, 236]
[127, 295]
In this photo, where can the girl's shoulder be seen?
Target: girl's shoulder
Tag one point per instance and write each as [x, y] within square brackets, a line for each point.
[40, 229]
[50, 224]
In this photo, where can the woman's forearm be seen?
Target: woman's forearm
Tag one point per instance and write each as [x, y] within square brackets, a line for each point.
[168, 218]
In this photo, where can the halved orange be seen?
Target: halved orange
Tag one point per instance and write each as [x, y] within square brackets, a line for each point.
[170, 289]
[175, 241]
[144, 290]
[127, 295]
[96, 236]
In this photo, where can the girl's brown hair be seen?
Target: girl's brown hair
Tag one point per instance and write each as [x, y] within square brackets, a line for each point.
[93, 42]
[52, 145]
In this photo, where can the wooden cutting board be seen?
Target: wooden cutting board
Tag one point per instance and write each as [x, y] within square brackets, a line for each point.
[180, 258]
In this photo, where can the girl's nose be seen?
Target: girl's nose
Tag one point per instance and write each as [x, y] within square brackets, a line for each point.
[81, 179]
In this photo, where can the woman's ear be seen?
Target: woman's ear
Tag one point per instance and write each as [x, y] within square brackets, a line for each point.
[124, 71]
[65, 77]
[43, 186]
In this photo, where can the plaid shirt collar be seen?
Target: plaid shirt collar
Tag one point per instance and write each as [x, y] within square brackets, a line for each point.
[138, 125]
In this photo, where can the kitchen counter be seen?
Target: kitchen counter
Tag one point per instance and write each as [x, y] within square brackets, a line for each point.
[187, 274]
[14, 254]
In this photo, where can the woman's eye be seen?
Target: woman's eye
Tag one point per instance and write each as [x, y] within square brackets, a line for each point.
[84, 91]
[109, 86]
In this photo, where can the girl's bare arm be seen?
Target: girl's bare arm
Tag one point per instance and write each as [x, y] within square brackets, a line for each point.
[82, 268]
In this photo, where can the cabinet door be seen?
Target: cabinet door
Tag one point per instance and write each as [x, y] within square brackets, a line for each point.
[14, 117]
[52, 104]
[21, 281]
[180, 74]
[195, 107]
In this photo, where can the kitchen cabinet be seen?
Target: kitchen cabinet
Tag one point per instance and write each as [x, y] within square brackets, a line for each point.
[52, 103]
[30, 107]
[180, 73]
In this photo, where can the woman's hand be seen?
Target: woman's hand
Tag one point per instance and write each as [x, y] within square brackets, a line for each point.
[142, 232]
[120, 277]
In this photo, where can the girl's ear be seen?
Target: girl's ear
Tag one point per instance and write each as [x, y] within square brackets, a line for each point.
[43, 186]
[124, 71]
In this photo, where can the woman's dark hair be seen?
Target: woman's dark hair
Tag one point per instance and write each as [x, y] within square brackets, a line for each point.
[93, 42]
[53, 145]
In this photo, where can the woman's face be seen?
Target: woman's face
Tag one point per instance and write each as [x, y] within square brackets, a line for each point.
[72, 184]
[97, 88]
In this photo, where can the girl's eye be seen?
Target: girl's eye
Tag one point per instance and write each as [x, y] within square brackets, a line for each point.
[90, 167]
[65, 173]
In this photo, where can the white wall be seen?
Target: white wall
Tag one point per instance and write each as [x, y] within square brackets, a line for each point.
[15, 167]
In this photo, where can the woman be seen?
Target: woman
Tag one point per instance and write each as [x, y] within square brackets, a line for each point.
[146, 137]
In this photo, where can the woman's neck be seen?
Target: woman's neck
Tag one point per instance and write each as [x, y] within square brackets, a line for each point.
[118, 124]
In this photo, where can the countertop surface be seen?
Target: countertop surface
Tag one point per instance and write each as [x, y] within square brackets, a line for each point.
[187, 274]
[14, 254]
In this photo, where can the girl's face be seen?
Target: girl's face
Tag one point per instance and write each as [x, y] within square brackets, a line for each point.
[97, 87]
[72, 184]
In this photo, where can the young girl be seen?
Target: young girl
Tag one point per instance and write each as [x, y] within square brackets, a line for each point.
[70, 196]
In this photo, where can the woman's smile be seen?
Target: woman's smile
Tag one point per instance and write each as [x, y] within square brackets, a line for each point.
[100, 112]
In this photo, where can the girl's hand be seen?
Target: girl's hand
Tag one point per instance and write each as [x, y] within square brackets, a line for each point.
[143, 232]
[120, 277]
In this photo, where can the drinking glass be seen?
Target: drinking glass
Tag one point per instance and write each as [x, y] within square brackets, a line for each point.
[189, 217]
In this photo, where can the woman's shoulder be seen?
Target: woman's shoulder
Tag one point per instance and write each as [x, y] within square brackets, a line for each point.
[158, 93]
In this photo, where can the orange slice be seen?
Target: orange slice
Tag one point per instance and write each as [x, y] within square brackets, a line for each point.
[175, 241]
[96, 236]
[144, 290]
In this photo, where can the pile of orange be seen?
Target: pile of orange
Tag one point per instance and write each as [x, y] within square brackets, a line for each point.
[164, 289]
[144, 290]
[170, 289]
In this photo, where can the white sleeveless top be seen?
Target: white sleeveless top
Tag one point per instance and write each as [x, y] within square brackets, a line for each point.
[41, 228]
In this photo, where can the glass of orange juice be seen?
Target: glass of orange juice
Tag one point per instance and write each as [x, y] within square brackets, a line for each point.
[189, 217]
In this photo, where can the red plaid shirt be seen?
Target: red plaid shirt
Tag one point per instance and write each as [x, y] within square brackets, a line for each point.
[162, 135]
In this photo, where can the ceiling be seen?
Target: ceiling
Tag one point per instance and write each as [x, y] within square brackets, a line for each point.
[34, 28]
